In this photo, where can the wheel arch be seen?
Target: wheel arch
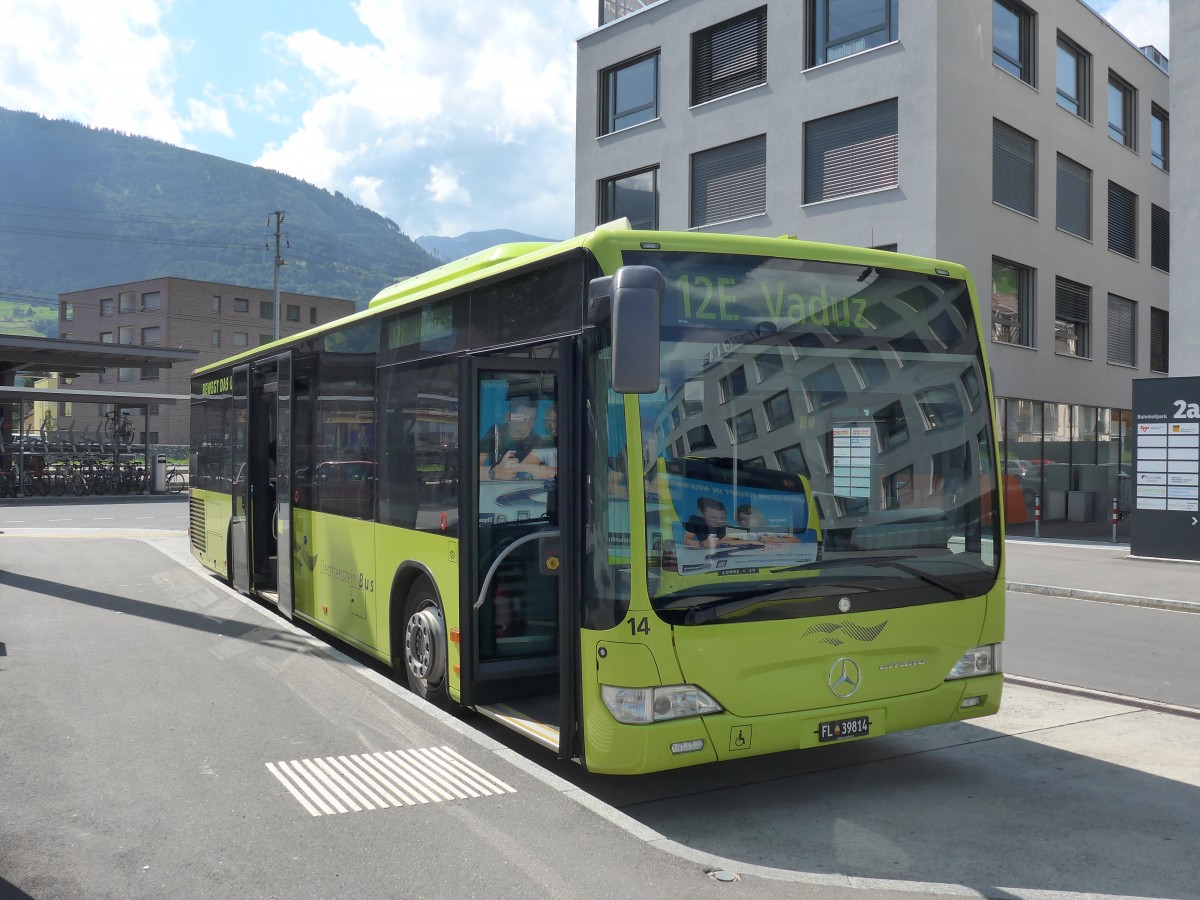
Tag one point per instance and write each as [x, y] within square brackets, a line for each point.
[406, 576]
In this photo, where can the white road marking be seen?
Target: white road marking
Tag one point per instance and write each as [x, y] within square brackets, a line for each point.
[335, 785]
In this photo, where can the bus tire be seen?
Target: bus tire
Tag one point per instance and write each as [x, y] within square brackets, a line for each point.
[423, 645]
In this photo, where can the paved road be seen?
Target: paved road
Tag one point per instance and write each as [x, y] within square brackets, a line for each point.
[142, 702]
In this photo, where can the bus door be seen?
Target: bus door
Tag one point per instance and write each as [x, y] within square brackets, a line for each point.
[520, 636]
[239, 528]
[259, 475]
[281, 468]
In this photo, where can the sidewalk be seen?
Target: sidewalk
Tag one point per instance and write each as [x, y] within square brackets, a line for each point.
[1104, 572]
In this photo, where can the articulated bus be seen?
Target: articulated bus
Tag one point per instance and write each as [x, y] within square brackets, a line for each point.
[651, 499]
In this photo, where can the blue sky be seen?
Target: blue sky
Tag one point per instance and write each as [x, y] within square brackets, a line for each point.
[444, 116]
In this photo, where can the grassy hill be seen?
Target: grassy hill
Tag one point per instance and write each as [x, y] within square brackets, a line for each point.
[83, 207]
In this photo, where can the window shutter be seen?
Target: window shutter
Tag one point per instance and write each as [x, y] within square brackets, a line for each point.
[1074, 196]
[1122, 220]
[729, 57]
[1122, 319]
[1014, 169]
[729, 182]
[1160, 238]
[1160, 340]
[852, 152]
[1072, 301]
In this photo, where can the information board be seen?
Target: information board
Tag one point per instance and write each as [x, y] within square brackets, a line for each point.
[1166, 468]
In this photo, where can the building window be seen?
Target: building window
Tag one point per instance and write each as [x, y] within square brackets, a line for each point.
[293, 312]
[629, 94]
[106, 337]
[852, 152]
[264, 339]
[151, 335]
[1160, 238]
[1012, 38]
[1160, 138]
[106, 307]
[150, 374]
[67, 313]
[216, 304]
[266, 309]
[312, 315]
[1014, 169]
[1072, 78]
[126, 334]
[151, 300]
[1122, 220]
[240, 338]
[127, 302]
[241, 304]
[729, 57]
[841, 28]
[106, 376]
[1122, 331]
[1012, 303]
[127, 374]
[729, 182]
[1072, 318]
[634, 196]
[1122, 112]
[216, 337]
[1160, 340]
[1073, 193]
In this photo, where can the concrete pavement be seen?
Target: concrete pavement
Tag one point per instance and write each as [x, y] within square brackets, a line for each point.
[1104, 572]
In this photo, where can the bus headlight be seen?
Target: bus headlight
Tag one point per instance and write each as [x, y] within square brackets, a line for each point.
[983, 660]
[641, 706]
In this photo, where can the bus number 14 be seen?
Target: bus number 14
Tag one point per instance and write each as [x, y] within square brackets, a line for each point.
[639, 626]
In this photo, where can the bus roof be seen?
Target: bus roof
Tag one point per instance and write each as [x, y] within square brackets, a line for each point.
[606, 243]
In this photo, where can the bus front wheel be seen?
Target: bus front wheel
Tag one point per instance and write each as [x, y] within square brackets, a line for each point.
[424, 653]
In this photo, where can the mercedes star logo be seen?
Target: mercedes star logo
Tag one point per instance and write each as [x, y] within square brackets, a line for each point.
[844, 678]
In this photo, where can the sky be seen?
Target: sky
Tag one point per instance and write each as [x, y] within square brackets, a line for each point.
[445, 118]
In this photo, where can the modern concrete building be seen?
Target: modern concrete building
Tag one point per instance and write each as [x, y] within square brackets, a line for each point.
[217, 320]
[1027, 140]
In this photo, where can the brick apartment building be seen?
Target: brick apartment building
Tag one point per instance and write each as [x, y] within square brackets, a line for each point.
[216, 320]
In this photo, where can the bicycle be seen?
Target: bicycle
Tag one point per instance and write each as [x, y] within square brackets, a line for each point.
[176, 481]
[118, 427]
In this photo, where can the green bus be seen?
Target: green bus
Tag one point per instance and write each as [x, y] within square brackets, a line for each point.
[652, 499]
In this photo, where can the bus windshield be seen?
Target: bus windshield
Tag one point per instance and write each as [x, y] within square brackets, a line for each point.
[821, 440]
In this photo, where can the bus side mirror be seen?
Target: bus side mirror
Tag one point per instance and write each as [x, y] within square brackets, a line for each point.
[636, 295]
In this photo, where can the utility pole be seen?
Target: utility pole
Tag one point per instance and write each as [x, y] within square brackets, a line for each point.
[279, 261]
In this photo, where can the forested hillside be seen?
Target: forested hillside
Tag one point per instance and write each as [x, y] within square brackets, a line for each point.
[82, 207]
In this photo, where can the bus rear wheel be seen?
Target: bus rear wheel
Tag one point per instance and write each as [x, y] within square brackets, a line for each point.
[423, 656]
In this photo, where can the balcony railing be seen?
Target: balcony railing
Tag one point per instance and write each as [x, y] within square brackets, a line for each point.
[611, 10]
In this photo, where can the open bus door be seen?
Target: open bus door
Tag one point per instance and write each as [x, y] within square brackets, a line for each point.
[261, 455]
[522, 539]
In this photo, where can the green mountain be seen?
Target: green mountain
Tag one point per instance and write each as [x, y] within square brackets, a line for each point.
[83, 207]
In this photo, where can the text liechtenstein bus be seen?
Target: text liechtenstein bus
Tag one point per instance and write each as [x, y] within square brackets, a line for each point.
[652, 499]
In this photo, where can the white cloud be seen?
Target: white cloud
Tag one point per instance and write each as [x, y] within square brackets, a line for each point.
[366, 189]
[495, 106]
[1142, 21]
[444, 187]
[204, 116]
[105, 64]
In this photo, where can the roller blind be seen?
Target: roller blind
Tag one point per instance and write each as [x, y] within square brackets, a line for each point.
[1074, 198]
[1160, 238]
[1014, 169]
[1072, 301]
[729, 182]
[852, 152]
[1122, 220]
[728, 57]
[1122, 322]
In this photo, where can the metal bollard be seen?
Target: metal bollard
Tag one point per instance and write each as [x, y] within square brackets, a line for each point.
[1115, 515]
[1037, 516]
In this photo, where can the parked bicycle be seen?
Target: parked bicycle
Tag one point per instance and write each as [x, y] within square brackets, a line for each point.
[117, 427]
[176, 480]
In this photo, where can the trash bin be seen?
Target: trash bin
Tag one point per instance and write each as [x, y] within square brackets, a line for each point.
[158, 475]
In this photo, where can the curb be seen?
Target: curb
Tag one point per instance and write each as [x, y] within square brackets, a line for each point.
[1104, 597]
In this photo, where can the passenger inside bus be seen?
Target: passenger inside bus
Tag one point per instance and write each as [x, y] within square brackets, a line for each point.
[710, 529]
[512, 450]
